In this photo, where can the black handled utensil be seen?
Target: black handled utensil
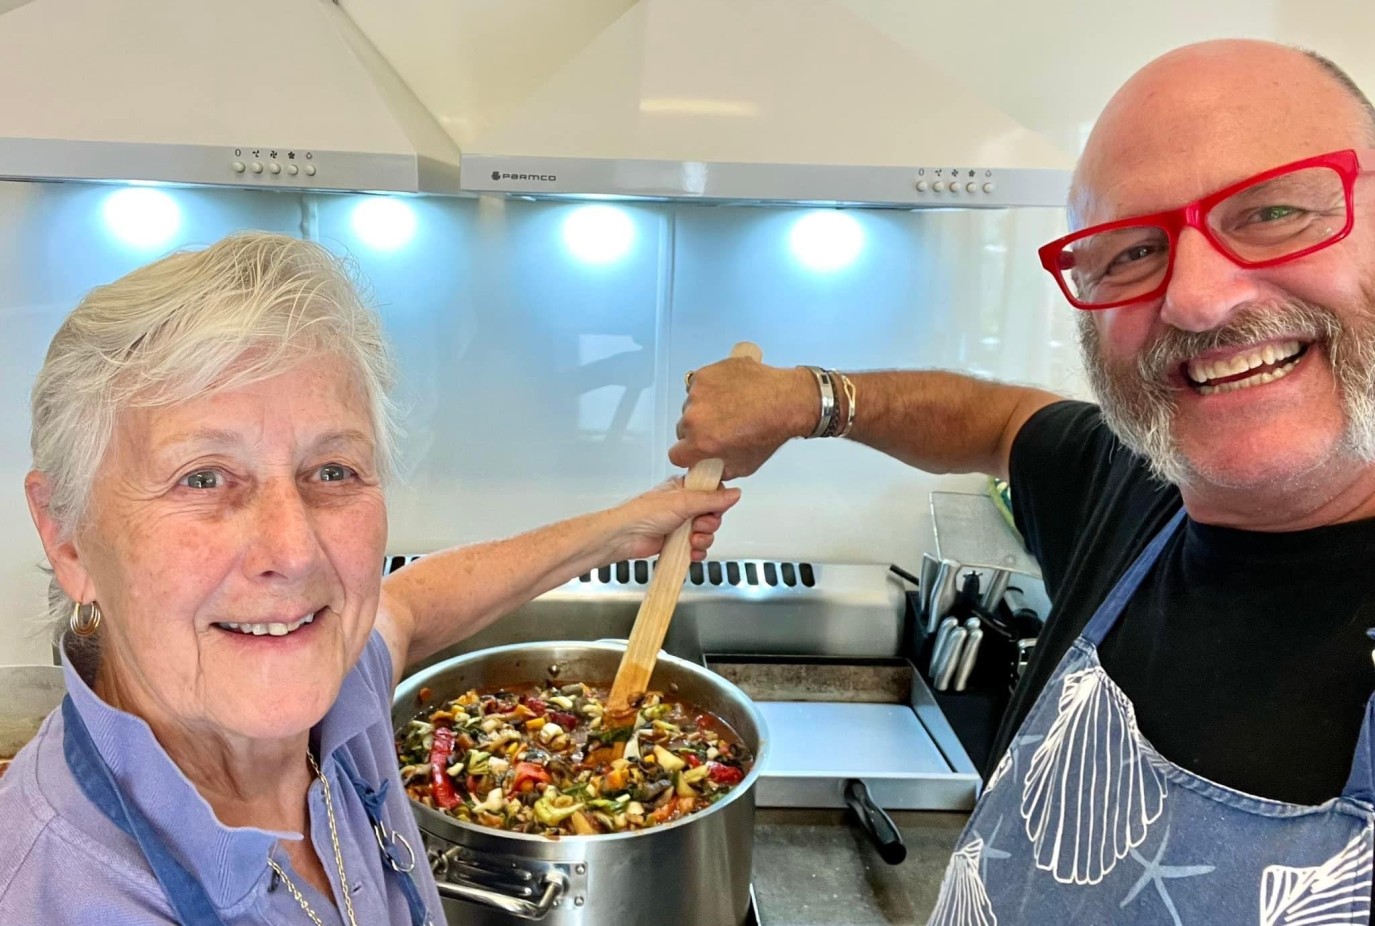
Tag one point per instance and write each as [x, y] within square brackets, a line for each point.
[876, 822]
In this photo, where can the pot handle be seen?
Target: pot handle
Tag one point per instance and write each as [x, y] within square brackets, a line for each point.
[876, 822]
[553, 886]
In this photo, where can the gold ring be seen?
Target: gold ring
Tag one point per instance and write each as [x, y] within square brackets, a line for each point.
[687, 379]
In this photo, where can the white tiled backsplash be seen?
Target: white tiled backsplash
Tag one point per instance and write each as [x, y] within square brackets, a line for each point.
[541, 380]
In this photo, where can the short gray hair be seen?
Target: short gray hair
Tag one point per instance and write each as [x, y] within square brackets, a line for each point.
[245, 309]
[1352, 89]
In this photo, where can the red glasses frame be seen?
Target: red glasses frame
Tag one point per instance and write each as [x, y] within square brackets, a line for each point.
[1346, 163]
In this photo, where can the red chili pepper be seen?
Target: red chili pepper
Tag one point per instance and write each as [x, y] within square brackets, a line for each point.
[534, 704]
[528, 776]
[563, 719]
[724, 774]
[692, 760]
[441, 750]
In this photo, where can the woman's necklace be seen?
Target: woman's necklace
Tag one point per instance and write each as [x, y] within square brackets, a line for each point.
[338, 857]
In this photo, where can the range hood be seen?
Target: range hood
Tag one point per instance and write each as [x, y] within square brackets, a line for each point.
[253, 93]
[760, 100]
[707, 100]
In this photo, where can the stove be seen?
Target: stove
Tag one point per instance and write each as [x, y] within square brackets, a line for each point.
[727, 606]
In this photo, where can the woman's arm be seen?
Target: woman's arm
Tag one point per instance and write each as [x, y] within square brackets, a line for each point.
[446, 596]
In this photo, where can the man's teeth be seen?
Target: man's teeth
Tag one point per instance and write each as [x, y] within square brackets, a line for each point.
[1280, 359]
[274, 628]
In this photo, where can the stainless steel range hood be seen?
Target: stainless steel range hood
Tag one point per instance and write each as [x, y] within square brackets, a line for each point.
[758, 100]
[255, 93]
[710, 100]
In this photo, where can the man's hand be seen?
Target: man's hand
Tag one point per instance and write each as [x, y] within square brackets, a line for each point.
[741, 411]
[643, 522]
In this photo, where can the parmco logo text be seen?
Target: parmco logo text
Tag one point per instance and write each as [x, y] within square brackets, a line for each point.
[547, 178]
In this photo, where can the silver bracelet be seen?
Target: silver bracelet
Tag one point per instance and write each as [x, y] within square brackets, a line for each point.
[828, 401]
[849, 388]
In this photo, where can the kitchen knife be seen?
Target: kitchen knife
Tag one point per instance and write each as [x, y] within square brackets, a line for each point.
[970, 654]
[943, 593]
[951, 657]
[938, 647]
[930, 569]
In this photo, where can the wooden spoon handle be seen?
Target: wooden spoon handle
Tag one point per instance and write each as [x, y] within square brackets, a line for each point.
[651, 623]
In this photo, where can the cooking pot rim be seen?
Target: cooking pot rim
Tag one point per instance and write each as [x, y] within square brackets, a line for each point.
[413, 683]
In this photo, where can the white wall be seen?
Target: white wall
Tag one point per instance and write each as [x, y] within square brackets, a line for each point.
[538, 384]
[1052, 64]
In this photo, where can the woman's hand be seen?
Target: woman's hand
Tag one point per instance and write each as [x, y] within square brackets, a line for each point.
[641, 524]
[741, 411]
[451, 594]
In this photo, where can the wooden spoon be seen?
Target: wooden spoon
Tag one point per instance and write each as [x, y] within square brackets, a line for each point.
[651, 623]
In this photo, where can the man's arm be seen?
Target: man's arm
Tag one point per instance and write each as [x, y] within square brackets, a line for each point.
[446, 596]
[743, 411]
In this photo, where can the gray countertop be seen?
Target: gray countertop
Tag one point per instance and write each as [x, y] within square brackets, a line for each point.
[817, 868]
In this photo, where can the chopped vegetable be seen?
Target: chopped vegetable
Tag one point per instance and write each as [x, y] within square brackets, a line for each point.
[724, 774]
[529, 775]
[562, 718]
[549, 761]
[583, 826]
[668, 760]
[549, 815]
[478, 761]
[441, 749]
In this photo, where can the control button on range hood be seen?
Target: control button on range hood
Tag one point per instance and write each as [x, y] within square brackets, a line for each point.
[267, 94]
[766, 101]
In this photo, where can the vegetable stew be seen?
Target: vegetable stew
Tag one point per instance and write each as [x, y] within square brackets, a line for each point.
[541, 761]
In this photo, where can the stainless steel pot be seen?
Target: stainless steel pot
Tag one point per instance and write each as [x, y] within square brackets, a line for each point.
[693, 871]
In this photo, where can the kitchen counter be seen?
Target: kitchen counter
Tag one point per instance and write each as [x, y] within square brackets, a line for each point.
[817, 868]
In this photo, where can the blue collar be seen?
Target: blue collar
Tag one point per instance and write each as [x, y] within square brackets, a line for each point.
[228, 861]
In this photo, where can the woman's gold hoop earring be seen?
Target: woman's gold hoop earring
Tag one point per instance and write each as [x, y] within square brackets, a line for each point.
[87, 626]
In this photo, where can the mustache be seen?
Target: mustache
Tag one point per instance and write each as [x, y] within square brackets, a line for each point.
[1293, 319]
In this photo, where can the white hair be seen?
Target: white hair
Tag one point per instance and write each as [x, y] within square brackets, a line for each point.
[245, 309]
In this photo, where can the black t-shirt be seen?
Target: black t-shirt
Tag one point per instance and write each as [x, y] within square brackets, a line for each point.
[1244, 653]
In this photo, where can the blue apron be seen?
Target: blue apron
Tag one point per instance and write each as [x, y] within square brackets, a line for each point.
[1084, 822]
[186, 895]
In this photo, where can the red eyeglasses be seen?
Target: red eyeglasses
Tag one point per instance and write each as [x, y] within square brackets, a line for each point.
[1272, 218]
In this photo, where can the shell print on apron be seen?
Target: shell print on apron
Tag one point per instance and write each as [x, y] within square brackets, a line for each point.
[1084, 822]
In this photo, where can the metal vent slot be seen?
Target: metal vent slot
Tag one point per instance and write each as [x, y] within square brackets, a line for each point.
[392, 563]
[711, 572]
[752, 573]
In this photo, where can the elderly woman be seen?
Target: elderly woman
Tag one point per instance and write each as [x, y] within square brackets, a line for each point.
[212, 441]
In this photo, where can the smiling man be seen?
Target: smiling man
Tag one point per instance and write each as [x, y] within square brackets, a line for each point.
[1195, 720]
